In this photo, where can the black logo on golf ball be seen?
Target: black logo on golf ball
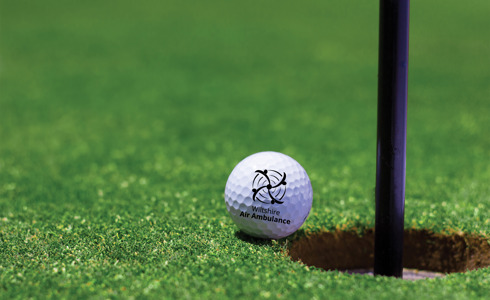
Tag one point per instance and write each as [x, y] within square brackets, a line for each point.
[269, 186]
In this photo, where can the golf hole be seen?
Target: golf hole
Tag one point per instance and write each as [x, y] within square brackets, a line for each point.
[426, 254]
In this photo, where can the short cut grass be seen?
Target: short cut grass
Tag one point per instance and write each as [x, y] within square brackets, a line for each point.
[121, 121]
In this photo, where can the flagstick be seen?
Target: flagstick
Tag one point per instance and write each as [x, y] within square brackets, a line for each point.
[391, 140]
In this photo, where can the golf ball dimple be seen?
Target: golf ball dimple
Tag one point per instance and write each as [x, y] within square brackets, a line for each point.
[268, 195]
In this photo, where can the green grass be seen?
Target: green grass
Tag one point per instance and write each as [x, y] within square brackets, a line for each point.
[120, 123]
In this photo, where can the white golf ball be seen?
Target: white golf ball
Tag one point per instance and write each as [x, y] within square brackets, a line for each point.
[268, 195]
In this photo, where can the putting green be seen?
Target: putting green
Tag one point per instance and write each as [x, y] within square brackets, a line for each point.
[120, 123]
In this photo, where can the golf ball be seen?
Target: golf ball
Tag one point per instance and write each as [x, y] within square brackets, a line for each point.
[268, 195]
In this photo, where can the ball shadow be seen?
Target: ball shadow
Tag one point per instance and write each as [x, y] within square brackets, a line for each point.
[252, 240]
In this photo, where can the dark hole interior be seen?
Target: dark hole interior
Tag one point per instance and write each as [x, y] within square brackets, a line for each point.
[423, 250]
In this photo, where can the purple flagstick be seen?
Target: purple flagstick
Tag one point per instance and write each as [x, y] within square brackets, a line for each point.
[391, 140]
